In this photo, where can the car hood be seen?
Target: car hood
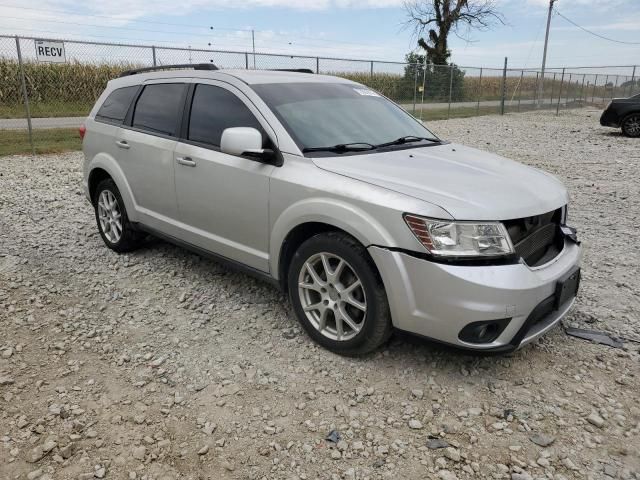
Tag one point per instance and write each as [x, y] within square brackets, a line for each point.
[469, 183]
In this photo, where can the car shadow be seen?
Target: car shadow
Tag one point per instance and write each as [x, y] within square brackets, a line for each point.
[402, 346]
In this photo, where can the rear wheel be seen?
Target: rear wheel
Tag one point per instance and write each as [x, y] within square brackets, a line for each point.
[631, 125]
[338, 296]
[111, 216]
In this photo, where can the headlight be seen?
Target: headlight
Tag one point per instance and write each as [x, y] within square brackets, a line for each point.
[460, 239]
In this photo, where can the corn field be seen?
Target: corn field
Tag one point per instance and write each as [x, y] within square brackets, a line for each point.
[70, 89]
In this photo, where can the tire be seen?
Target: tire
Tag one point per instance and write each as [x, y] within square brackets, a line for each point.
[631, 125]
[335, 302]
[116, 231]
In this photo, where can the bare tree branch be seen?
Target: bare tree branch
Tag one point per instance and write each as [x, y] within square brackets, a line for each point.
[436, 19]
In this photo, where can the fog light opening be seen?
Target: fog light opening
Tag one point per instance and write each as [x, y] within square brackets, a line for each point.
[483, 332]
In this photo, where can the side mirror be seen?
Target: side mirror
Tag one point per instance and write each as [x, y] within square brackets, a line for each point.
[247, 141]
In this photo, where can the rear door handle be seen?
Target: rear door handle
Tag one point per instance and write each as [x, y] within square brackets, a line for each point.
[186, 161]
[122, 144]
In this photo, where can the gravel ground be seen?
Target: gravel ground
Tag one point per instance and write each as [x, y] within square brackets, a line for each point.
[162, 365]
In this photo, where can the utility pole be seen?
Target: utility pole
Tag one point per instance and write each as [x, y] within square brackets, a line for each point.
[544, 54]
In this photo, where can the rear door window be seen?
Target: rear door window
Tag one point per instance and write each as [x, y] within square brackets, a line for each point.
[115, 107]
[213, 109]
[159, 108]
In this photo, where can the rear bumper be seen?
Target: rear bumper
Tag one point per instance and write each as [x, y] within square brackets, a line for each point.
[437, 300]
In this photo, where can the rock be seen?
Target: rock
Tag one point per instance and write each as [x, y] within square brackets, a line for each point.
[521, 476]
[139, 452]
[596, 420]
[5, 380]
[34, 474]
[335, 454]
[415, 424]
[100, 472]
[447, 475]
[542, 440]
[436, 443]
[452, 454]
[203, 450]
[417, 393]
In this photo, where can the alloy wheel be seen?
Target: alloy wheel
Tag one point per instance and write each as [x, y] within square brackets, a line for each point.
[632, 125]
[110, 216]
[332, 296]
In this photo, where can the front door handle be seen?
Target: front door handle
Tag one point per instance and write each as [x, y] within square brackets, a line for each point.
[186, 161]
[123, 144]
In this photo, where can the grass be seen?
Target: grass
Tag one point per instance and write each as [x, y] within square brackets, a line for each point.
[54, 140]
[46, 109]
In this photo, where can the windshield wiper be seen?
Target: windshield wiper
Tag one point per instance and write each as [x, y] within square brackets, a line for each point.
[407, 139]
[343, 147]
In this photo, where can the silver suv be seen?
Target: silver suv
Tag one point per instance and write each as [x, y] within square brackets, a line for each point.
[323, 186]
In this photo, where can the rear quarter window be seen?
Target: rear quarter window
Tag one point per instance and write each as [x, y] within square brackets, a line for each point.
[159, 108]
[116, 105]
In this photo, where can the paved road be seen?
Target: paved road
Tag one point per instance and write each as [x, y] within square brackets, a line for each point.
[51, 122]
[74, 122]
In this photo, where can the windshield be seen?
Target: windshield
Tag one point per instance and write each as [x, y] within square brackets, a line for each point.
[322, 115]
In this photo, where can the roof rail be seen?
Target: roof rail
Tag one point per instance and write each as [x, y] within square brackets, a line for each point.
[294, 70]
[183, 66]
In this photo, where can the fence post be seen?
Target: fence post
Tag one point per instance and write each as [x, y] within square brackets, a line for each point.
[424, 78]
[582, 87]
[560, 94]
[317, 64]
[504, 86]
[633, 81]
[593, 93]
[479, 92]
[568, 90]
[553, 87]
[520, 89]
[25, 95]
[153, 53]
[372, 68]
[415, 88]
[450, 89]
[613, 90]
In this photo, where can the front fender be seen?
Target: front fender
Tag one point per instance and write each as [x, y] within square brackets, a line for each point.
[353, 220]
[109, 165]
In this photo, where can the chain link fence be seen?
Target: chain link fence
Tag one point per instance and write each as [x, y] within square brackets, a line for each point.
[50, 99]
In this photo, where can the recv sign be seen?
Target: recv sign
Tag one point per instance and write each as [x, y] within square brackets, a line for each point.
[50, 51]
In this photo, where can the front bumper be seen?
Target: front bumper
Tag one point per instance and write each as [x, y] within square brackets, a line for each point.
[438, 300]
[609, 119]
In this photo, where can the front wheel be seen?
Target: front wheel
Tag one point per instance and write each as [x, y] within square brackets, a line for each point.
[631, 125]
[338, 296]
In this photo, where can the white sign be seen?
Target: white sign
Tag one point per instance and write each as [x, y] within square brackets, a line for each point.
[50, 51]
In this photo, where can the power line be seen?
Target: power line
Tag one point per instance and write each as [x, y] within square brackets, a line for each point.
[594, 33]
[208, 27]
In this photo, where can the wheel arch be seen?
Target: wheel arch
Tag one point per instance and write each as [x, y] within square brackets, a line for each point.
[305, 219]
[102, 167]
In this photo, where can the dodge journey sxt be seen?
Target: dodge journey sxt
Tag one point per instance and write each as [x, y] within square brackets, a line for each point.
[365, 218]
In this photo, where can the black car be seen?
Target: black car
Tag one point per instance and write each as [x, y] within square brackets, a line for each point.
[623, 113]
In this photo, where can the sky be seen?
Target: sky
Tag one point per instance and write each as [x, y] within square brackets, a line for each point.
[369, 29]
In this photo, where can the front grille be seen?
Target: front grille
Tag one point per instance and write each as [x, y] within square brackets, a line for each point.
[537, 239]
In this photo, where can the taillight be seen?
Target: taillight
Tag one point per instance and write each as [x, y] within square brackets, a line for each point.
[82, 130]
